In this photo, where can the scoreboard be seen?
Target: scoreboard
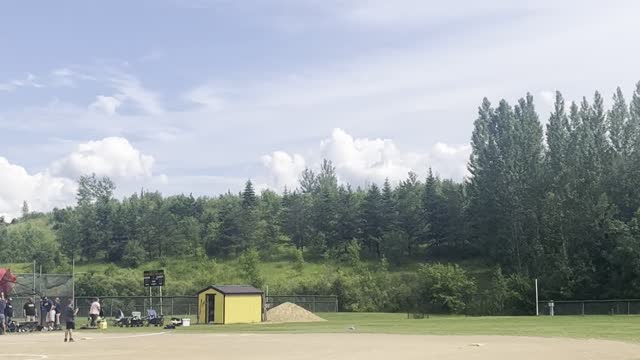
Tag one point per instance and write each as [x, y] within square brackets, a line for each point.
[154, 278]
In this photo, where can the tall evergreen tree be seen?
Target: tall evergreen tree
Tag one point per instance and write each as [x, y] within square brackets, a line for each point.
[372, 219]
[249, 199]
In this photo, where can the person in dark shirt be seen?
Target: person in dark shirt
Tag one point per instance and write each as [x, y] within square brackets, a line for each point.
[3, 305]
[70, 318]
[43, 311]
[8, 311]
[29, 311]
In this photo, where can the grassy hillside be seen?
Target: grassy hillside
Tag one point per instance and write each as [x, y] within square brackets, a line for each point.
[361, 284]
[184, 276]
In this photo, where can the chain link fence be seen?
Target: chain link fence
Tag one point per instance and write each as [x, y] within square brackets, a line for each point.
[169, 306]
[173, 306]
[313, 303]
[35, 287]
[590, 307]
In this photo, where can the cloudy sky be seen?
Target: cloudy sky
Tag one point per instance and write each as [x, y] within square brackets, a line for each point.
[196, 96]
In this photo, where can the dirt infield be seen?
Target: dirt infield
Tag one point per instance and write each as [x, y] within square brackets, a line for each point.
[170, 345]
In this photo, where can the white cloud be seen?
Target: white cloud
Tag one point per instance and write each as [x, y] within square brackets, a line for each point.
[69, 76]
[284, 169]
[362, 160]
[41, 191]
[206, 97]
[56, 186]
[548, 97]
[412, 12]
[112, 156]
[29, 80]
[450, 161]
[130, 89]
[105, 104]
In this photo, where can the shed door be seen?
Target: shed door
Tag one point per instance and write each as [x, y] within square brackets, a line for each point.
[211, 308]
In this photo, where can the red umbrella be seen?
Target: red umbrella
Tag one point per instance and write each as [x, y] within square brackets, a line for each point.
[7, 280]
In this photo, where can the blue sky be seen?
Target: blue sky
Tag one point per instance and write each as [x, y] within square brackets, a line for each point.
[199, 95]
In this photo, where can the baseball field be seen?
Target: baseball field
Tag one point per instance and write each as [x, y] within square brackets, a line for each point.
[351, 336]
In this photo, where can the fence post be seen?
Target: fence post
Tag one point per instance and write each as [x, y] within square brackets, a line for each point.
[314, 304]
[583, 308]
[628, 308]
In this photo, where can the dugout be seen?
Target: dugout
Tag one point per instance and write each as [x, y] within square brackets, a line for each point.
[230, 304]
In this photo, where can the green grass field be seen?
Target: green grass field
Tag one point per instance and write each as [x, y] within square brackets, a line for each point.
[624, 328]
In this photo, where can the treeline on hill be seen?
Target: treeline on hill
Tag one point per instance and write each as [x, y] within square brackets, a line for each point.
[560, 205]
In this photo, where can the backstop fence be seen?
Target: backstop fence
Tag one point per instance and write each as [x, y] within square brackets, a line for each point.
[38, 285]
[590, 307]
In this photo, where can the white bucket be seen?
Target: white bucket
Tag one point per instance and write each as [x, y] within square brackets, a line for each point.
[186, 322]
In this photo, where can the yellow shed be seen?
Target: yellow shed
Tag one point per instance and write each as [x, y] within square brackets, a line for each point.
[229, 304]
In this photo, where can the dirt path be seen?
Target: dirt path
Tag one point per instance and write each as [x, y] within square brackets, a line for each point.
[97, 346]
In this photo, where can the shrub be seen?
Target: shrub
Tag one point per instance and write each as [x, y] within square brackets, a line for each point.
[443, 288]
[298, 262]
[249, 262]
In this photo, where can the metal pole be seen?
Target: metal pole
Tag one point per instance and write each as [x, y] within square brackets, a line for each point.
[34, 278]
[583, 308]
[537, 306]
[161, 301]
[40, 282]
[73, 277]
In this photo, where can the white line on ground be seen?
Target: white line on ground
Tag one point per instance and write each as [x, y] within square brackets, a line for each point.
[126, 337]
[25, 356]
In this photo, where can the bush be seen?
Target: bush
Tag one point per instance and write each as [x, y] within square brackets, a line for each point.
[298, 262]
[249, 262]
[506, 295]
[443, 288]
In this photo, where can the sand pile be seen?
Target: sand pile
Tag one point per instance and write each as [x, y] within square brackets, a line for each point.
[288, 312]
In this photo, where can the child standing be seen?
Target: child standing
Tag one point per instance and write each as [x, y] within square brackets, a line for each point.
[70, 318]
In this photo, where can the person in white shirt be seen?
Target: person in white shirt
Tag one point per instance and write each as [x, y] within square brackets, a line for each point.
[94, 311]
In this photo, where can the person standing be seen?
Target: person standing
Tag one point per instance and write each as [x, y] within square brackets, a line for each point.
[70, 319]
[8, 311]
[3, 305]
[51, 316]
[58, 308]
[94, 311]
[45, 307]
[29, 311]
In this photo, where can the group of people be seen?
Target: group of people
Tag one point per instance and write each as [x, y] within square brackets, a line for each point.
[6, 312]
[50, 313]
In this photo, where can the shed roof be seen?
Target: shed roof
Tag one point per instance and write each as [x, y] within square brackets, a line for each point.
[233, 289]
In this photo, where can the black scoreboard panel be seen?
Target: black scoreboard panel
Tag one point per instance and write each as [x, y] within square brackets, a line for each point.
[154, 278]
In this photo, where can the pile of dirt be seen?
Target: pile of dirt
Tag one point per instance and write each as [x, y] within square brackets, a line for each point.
[288, 312]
